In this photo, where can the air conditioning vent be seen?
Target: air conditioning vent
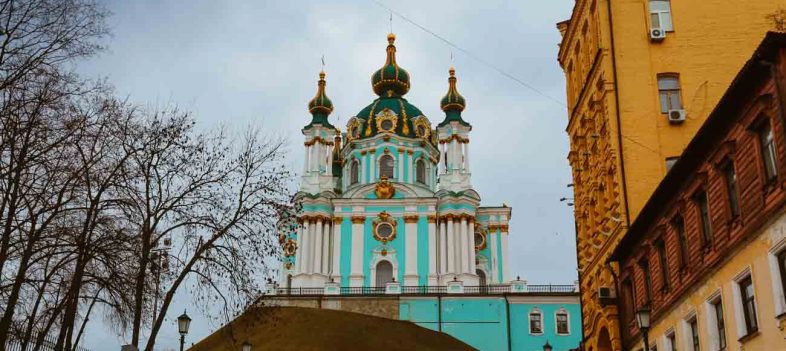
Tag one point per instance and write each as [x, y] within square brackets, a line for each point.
[606, 296]
[605, 292]
[676, 116]
[657, 34]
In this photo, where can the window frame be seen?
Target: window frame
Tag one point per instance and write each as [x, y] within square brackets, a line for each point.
[354, 172]
[749, 308]
[678, 224]
[660, 13]
[392, 167]
[660, 246]
[644, 265]
[781, 257]
[669, 92]
[420, 166]
[670, 340]
[557, 314]
[695, 337]
[767, 150]
[716, 322]
[731, 183]
[535, 312]
[702, 201]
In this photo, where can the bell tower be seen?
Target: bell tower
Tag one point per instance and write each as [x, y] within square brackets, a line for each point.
[453, 134]
[320, 140]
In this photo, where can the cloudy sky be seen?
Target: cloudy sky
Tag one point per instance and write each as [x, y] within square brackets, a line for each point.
[256, 63]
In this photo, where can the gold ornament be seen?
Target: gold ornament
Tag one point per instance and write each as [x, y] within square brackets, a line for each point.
[384, 189]
[384, 227]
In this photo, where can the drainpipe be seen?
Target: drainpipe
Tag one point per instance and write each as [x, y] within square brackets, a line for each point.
[619, 120]
[507, 315]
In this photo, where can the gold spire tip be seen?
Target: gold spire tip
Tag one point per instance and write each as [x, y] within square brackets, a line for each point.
[391, 38]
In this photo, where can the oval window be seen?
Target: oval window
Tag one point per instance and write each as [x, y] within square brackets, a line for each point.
[384, 230]
[387, 125]
[421, 131]
[478, 239]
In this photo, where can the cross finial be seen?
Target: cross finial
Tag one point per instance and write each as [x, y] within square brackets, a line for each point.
[391, 21]
[323, 62]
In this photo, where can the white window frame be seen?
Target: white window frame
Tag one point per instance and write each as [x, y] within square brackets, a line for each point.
[561, 310]
[379, 167]
[661, 13]
[687, 333]
[425, 171]
[739, 313]
[712, 321]
[777, 283]
[535, 310]
[667, 343]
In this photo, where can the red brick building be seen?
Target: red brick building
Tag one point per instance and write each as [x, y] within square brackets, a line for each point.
[706, 254]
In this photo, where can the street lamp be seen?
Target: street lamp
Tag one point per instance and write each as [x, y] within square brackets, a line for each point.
[643, 319]
[547, 347]
[246, 346]
[183, 322]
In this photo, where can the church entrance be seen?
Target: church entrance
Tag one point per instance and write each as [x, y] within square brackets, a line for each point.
[384, 273]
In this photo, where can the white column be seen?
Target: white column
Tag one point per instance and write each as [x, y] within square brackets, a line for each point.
[299, 251]
[305, 267]
[432, 251]
[471, 247]
[466, 157]
[335, 271]
[327, 240]
[356, 273]
[493, 276]
[411, 244]
[504, 238]
[401, 165]
[453, 155]
[411, 170]
[464, 245]
[328, 160]
[306, 166]
[443, 247]
[362, 167]
[451, 247]
[318, 236]
[442, 156]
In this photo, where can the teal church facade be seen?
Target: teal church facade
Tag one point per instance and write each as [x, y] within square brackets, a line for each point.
[387, 208]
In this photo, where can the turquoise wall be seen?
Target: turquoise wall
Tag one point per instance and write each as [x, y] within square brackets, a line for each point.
[482, 322]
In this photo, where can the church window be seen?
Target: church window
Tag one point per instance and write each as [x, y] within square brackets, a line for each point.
[660, 15]
[421, 131]
[387, 125]
[562, 322]
[386, 166]
[353, 172]
[535, 322]
[669, 93]
[384, 273]
[420, 170]
[384, 230]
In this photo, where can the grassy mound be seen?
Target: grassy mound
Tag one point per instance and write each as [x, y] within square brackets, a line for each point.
[297, 328]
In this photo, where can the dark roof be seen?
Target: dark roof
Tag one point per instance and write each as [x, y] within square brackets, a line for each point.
[711, 133]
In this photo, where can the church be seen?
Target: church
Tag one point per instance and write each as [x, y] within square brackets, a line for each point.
[391, 198]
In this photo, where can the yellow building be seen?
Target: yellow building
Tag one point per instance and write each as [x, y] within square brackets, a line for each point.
[642, 76]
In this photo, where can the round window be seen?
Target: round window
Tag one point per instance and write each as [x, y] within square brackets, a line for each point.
[384, 230]
[354, 132]
[478, 239]
[421, 130]
[387, 125]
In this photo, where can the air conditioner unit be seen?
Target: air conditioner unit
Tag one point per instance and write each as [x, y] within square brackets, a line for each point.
[606, 296]
[676, 116]
[657, 34]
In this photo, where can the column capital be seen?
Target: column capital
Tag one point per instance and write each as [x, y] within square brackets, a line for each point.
[338, 220]
[432, 219]
[358, 219]
[411, 219]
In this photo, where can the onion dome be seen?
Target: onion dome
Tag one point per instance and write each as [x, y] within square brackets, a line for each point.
[453, 103]
[390, 80]
[320, 106]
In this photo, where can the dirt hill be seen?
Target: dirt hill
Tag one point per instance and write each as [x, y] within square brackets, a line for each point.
[296, 328]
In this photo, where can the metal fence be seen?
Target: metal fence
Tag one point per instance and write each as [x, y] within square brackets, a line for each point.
[494, 289]
[35, 342]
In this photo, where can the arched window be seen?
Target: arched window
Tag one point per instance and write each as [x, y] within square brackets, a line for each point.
[384, 273]
[535, 321]
[386, 166]
[353, 172]
[420, 171]
[561, 318]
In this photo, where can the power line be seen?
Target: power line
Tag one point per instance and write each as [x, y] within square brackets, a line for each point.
[471, 55]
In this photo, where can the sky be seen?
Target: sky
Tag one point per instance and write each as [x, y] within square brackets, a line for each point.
[256, 63]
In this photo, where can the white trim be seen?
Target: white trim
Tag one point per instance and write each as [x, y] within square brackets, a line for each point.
[687, 333]
[711, 320]
[561, 310]
[739, 308]
[535, 310]
[669, 340]
[778, 295]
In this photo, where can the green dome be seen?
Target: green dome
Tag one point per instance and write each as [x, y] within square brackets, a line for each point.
[390, 80]
[320, 106]
[453, 103]
[399, 106]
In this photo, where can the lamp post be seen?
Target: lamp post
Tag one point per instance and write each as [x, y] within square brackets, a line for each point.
[643, 320]
[183, 322]
[246, 346]
[547, 346]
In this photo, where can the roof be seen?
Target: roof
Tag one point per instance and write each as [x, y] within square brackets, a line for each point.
[711, 133]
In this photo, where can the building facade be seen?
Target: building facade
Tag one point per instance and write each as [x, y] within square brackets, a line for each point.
[707, 254]
[642, 76]
[388, 224]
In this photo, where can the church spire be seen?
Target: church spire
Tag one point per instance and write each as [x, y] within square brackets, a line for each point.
[390, 80]
[320, 106]
[453, 103]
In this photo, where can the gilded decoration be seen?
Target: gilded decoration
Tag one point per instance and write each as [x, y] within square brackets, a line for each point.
[353, 129]
[386, 121]
[411, 219]
[480, 239]
[290, 247]
[384, 227]
[422, 127]
[358, 219]
[384, 189]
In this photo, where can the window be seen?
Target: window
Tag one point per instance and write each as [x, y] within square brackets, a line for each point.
[731, 188]
[420, 171]
[704, 217]
[535, 322]
[630, 300]
[669, 92]
[562, 322]
[682, 241]
[671, 342]
[767, 151]
[386, 166]
[660, 15]
[720, 324]
[782, 268]
[664, 264]
[693, 326]
[670, 161]
[353, 172]
[645, 268]
[748, 305]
